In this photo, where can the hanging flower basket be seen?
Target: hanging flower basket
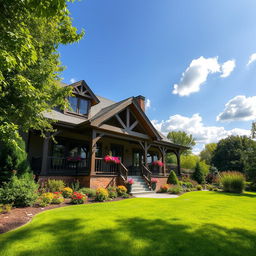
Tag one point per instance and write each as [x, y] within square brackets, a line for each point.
[74, 159]
[112, 159]
[158, 163]
[129, 185]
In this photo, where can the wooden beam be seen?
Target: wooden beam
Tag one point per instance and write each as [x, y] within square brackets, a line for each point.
[120, 121]
[128, 117]
[133, 125]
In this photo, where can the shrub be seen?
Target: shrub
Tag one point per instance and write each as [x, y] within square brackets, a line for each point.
[90, 192]
[125, 195]
[13, 160]
[232, 181]
[78, 198]
[209, 187]
[250, 186]
[112, 192]
[121, 190]
[67, 192]
[57, 198]
[199, 187]
[172, 179]
[174, 189]
[55, 185]
[75, 185]
[198, 175]
[20, 192]
[101, 194]
[164, 188]
[5, 208]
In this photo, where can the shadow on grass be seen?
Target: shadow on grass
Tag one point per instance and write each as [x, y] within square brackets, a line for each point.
[132, 236]
[245, 194]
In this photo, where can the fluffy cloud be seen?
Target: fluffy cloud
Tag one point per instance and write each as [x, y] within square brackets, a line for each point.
[72, 80]
[194, 125]
[239, 108]
[148, 104]
[252, 58]
[227, 68]
[197, 73]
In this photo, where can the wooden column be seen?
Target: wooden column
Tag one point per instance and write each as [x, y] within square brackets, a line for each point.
[44, 166]
[177, 153]
[163, 156]
[145, 146]
[93, 148]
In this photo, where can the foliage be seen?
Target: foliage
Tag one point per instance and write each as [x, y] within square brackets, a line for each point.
[250, 186]
[57, 198]
[121, 190]
[112, 192]
[207, 153]
[186, 184]
[253, 130]
[20, 191]
[67, 192]
[198, 175]
[13, 160]
[222, 224]
[44, 199]
[101, 194]
[182, 138]
[233, 153]
[199, 187]
[55, 185]
[31, 32]
[232, 181]
[164, 188]
[5, 208]
[175, 189]
[75, 185]
[189, 161]
[90, 192]
[78, 198]
[172, 178]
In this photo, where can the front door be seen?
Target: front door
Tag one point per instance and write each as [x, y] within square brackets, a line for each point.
[137, 160]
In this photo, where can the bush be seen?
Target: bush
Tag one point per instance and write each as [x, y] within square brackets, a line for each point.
[75, 185]
[20, 192]
[57, 198]
[5, 208]
[199, 187]
[232, 182]
[78, 198]
[101, 194]
[112, 192]
[164, 188]
[90, 192]
[67, 192]
[121, 190]
[45, 199]
[55, 185]
[172, 179]
[198, 175]
[125, 195]
[250, 186]
[174, 189]
[13, 160]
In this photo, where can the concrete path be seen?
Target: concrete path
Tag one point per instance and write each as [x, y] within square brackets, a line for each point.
[156, 195]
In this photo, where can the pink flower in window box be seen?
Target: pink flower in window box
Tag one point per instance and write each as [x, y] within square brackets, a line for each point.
[112, 159]
[154, 180]
[158, 163]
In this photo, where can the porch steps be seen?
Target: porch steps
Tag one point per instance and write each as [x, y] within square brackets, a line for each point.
[139, 186]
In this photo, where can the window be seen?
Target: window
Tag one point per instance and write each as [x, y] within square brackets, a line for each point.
[79, 105]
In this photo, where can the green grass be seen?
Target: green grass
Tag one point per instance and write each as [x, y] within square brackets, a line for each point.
[196, 224]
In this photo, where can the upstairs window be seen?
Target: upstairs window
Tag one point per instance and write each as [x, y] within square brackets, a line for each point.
[78, 105]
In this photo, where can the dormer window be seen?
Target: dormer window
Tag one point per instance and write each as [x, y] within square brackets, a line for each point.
[79, 105]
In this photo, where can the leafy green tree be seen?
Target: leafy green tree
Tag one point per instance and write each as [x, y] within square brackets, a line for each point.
[31, 32]
[198, 174]
[182, 138]
[189, 161]
[253, 130]
[207, 152]
[172, 178]
[13, 160]
[233, 153]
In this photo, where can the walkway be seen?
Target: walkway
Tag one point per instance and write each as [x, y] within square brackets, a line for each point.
[156, 195]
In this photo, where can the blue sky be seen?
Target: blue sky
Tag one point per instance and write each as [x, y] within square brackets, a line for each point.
[147, 46]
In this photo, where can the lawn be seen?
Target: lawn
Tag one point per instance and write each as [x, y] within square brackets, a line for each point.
[196, 224]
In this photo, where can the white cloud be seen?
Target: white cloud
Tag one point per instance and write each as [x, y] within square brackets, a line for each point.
[252, 58]
[227, 67]
[72, 80]
[194, 125]
[239, 108]
[197, 73]
[148, 104]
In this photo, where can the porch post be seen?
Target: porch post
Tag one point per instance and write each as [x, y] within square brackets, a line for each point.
[92, 153]
[177, 153]
[45, 156]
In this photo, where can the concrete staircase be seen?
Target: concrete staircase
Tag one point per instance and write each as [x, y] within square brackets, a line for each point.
[139, 186]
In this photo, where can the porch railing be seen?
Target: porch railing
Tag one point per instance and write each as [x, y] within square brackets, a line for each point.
[58, 165]
[146, 174]
[123, 172]
[156, 170]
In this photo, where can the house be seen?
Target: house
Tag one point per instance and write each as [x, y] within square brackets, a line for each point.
[93, 128]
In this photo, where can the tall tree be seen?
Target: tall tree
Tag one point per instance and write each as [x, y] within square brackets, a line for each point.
[207, 153]
[182, 138]
[253, 130]
[31, 32]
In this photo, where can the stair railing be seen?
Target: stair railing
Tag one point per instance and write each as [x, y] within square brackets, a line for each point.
[146, 174]
[123, 172]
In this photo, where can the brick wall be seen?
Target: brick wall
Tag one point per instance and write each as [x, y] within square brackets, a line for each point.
[161, 181]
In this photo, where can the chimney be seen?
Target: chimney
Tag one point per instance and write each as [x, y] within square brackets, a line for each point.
[141, 101]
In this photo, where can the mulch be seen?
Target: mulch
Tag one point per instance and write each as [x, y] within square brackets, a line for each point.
[20, 216]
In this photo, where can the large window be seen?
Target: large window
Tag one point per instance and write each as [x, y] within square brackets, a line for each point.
[79, 105]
